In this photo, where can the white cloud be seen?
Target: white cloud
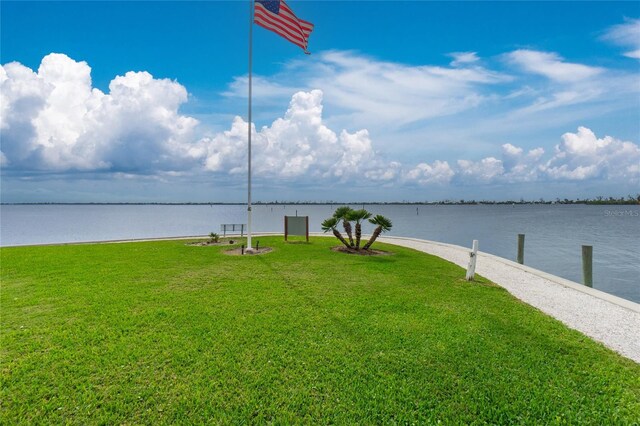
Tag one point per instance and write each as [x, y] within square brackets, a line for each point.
[298, 146]
[409, 108]
[405, 105]
[582, 155]
[463, 58]
[55, 120]
[521, 167]
[511, 150]
[552, 66]
[22, 97]
[626, 35]
[562, 98]
[439, 172]
[483, 171]
[398, 94]
[382, 174]
[567, 85]
[366, 92]
[633, 54]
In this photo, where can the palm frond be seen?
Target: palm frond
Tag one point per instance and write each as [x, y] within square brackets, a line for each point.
[359, 215]
[341, 213]
[383, 222]
[329, 224]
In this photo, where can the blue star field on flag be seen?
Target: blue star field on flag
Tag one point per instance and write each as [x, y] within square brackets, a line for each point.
[271, 5]
[276, 16]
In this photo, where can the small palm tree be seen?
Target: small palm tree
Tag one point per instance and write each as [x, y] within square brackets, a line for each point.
[331, 224]
[342, 214]
[358, 216]
[214, 237]
[384, 225]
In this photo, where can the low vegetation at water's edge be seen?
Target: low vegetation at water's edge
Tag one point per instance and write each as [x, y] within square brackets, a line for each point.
[166, 333]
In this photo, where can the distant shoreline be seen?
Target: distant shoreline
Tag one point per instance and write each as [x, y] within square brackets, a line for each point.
[599, 202]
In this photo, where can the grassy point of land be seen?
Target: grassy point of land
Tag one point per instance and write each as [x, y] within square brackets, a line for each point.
[165, 333]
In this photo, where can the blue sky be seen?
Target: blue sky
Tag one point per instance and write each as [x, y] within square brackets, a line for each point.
[146, 101]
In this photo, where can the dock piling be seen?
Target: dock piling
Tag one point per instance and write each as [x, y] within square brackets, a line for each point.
[473, 254]
[521, 249]
[587, 265]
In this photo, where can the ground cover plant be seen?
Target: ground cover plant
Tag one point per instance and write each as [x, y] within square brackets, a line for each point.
[166, 333]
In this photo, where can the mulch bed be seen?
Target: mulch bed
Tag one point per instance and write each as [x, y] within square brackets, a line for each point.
[370, 252]
[238, 251]
[211, 243]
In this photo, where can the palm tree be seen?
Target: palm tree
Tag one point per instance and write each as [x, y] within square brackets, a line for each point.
[330, 224]
[358, 216]
[384, 225]
[342, 214]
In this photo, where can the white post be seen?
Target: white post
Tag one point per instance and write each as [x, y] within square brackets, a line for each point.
[249, 249]
[473, 254]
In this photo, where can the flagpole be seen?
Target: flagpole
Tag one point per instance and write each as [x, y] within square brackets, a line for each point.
[249, 246]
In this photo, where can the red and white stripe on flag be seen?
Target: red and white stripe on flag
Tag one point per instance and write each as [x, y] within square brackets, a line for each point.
[276, 16]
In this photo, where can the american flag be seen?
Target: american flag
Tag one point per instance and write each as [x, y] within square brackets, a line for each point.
[276, 16]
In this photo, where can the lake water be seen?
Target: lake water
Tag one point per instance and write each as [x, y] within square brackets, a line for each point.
[554, 233]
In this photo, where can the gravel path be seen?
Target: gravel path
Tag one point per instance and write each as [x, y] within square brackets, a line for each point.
[613, 321]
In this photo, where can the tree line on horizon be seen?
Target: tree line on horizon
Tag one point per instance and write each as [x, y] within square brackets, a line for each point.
[599, 200]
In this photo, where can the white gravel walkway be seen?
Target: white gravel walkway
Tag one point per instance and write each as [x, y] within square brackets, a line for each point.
[611, 320]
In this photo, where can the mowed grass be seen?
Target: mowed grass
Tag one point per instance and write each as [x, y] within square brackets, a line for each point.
[165, 333]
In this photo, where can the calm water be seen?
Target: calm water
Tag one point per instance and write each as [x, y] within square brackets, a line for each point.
[554, 233]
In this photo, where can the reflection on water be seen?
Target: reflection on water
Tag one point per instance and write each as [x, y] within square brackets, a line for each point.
[554, 233]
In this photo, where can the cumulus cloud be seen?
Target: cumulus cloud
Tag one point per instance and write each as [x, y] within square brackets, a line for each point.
[583, 155]
[579, 156]
[439, 172]
[626, 35]
[298, 145]
[384, 174]
[53, 119]
[483, 171]
[552, 66]
[520, 166]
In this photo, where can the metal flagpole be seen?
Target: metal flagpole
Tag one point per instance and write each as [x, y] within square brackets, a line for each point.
[251, 11]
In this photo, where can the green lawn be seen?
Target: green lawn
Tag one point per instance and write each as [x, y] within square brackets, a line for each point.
[165, 333]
